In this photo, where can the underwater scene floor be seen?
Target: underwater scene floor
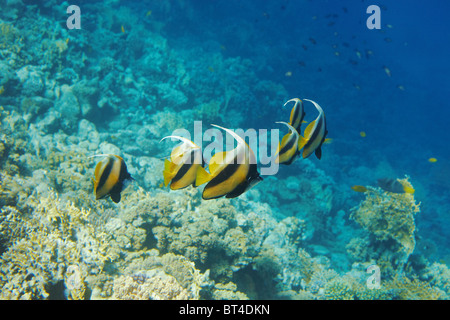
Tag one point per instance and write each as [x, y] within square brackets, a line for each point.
[222, 150]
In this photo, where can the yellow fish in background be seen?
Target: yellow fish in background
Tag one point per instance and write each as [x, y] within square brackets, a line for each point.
[395, 186]
[110, 177]
[122, 29]
[297, 114]
[432, 160]
[359, 188]
[288, 149]
[231, 173]
[185, 160]
[314, 135]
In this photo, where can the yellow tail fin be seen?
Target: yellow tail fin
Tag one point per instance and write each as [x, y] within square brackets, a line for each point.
[202, 177]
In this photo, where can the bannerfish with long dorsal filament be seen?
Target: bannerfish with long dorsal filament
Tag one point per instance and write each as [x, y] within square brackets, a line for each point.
[297, 114]
[314, 135]
[288, 149]
[110, 177]
[231, 173]
[181, 170]
[395, 186]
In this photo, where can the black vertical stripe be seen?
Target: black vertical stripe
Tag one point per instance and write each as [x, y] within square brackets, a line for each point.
[315, 133]
[185, 167]
[288, 145]
[295, 115]
[181, 172]
[105, 173]
[124, 174]
[223, 175]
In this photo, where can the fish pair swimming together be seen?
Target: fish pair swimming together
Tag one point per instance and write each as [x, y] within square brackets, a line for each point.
[312, 139]
[231, 173]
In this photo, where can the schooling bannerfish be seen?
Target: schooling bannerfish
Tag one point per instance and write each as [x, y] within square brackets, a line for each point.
[185, 160]
[315, 134]
[110, 177]
[288, 149]
[231, 173]
[297, 114]
[395, 186]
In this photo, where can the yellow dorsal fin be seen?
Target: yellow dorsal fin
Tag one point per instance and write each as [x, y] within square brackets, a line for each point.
[301, 142]
[216, 161]
[202, 177]
[309, 128]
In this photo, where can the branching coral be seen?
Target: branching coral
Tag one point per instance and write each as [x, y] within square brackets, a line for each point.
[146, 273]
[390, 218]
[153, 284]
[406, 289]
[339, 289]
[50, 249]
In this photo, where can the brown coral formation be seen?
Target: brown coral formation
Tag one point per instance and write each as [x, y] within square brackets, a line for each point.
[390, 219]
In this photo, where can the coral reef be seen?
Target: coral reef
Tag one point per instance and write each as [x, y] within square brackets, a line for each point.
[390, 220]
[50, 249]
